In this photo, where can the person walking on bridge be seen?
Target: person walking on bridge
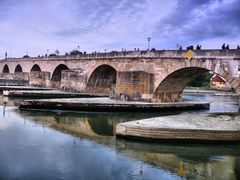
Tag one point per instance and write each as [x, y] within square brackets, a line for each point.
[223, 46]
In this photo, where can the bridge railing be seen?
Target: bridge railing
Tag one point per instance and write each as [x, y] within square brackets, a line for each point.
[139, 54]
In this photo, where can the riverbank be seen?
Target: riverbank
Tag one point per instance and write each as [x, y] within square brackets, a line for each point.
[201, 127]
[196, 90]
[109, 105]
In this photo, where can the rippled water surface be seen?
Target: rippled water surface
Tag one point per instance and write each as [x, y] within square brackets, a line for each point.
[69, 145]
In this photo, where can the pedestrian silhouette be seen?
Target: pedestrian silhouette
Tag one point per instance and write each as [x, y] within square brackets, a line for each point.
[198, 47]
[223, 46]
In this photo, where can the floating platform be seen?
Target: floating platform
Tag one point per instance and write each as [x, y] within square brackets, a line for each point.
[47, 94]
[108, 105]
[198, 127]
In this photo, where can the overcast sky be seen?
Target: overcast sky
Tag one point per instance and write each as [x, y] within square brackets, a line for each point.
[34, 26]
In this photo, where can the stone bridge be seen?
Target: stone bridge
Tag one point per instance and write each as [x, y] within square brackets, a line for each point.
[158, 76]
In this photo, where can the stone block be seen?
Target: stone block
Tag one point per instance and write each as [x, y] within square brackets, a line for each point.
[74, 80]
[134, 85]
[6, 76]
[21, 76]
[39, 78]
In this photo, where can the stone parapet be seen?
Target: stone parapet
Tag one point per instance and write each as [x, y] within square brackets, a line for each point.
[139, 54]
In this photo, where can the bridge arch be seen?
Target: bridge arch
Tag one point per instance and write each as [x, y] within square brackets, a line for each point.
[171, 87]
[102, 79]
[57, 75]
[18, 69]
[35, 68]
[5, 69]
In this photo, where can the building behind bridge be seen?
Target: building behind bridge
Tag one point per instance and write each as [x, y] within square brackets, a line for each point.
[219, 83]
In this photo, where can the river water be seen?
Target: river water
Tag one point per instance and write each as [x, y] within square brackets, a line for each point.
[72, 145]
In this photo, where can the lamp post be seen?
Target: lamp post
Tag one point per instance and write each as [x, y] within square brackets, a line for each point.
[149, 39]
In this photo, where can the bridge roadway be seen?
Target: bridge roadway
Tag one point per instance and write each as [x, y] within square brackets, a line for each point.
[157, 76]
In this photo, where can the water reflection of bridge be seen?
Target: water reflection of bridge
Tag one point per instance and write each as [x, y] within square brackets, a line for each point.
[88, 125]
[190, 161]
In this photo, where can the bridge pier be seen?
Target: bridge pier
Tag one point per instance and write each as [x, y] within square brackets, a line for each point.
[134, 85]
[40, 79]
[74, 80]
[168, 97]
[16, 79]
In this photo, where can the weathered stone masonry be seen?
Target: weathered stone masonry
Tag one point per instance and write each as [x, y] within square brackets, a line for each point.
[158, 76]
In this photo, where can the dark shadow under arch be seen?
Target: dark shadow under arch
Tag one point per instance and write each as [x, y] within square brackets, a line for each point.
[171, 88]
[5, 69]
[56, 75]
[102, 79]
[18, 69]
[35, 68]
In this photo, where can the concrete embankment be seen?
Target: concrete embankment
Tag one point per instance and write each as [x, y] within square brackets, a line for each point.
[108, 105]
[200, 91]
[47, 94]
[226, 94]
[201, 127]
[214, 92]
[2, 88]
[13, 82]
